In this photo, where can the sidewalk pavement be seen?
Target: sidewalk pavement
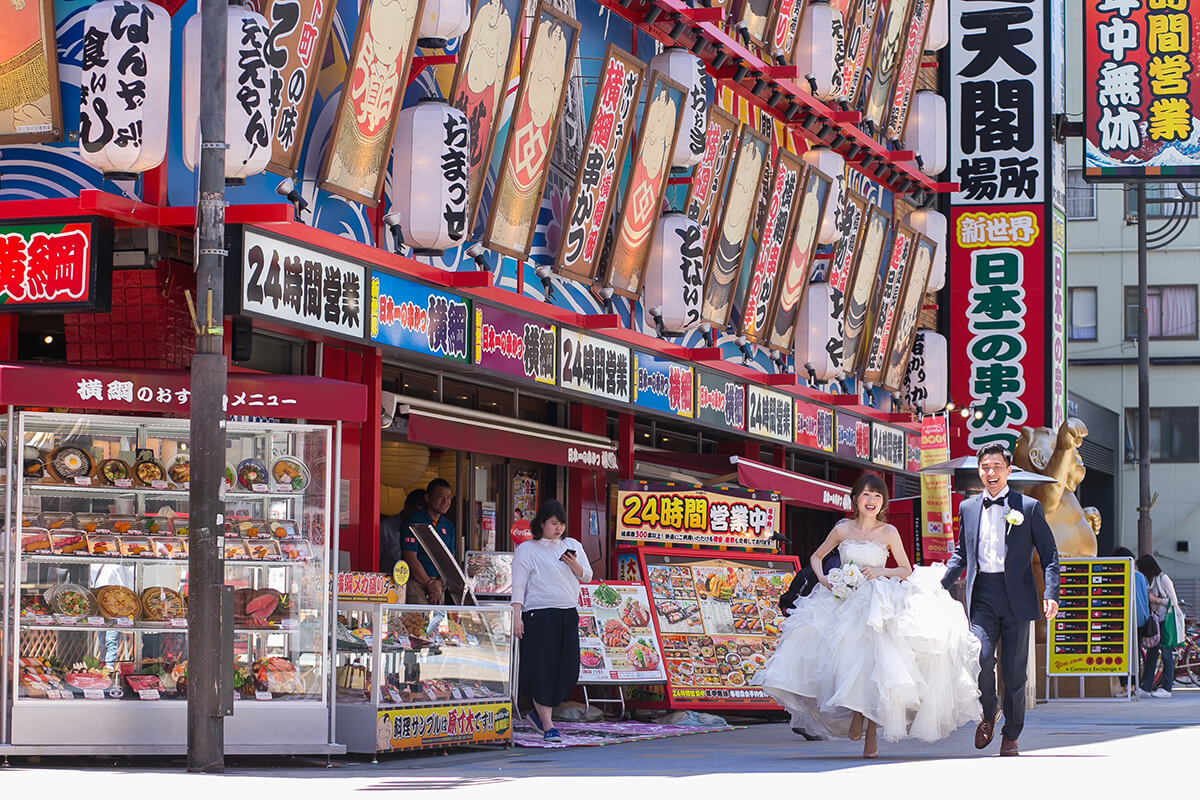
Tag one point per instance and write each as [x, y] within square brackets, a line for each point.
[1100, 748]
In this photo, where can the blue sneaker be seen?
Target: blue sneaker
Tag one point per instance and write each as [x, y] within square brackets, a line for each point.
[552, 735]
[535, 721]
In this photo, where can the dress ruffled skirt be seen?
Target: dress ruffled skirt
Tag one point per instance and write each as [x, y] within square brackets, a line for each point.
[900, 652]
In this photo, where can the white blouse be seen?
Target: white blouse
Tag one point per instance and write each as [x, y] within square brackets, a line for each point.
[541, 580]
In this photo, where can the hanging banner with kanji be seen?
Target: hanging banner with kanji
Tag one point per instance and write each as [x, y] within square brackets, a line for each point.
[1140, 98]
[51, 265]
[690, 515]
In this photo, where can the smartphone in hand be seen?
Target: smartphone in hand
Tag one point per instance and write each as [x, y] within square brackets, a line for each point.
[568, 552]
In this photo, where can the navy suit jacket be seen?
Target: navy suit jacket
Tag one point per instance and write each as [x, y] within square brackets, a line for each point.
[1021, 540]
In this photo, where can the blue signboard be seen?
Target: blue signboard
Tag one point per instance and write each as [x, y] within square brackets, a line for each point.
[662, 385]
[414, 317]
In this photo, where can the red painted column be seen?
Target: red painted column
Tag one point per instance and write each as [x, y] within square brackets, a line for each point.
[587, 494]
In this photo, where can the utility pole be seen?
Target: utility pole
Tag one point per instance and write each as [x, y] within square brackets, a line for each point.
[206, 574]
[1145, 543]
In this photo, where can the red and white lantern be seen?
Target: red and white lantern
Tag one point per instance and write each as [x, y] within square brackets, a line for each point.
[933, 224]
[926, 381]
[815, 326]
[833, 165]
[687, 70]
[674, 287]
[430, 158]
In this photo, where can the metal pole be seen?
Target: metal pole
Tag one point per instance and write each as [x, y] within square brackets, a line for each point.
[206, 727]
[1144, 529]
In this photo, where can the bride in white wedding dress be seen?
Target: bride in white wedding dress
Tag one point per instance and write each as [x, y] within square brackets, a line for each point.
[896, 653]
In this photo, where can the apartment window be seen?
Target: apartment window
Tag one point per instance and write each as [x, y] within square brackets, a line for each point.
[1172, 311]
[1083, 314]
[1081, 196]
[1159, 197]
[1174, 434]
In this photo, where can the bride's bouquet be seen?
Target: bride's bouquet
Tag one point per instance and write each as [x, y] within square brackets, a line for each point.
[845, 579]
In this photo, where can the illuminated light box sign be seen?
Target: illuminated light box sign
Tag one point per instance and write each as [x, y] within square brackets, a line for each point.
[54, 265]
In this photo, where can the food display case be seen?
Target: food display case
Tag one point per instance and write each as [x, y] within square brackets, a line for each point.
[97, 584]
[411, 677]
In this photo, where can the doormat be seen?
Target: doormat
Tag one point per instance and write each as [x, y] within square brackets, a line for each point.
[597, 734]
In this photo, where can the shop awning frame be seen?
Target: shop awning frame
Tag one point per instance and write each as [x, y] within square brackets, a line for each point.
[799, 489]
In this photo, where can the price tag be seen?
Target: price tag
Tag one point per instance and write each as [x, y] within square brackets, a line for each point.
[66, 619]
[469, 693]
[289, 624]
[124, 622]
[95, 621]
[82, 481]
[65, 694]
[261, 695]
[177, 622]
[456, 693]
[404, 641]
[281, 487]
[394, 695]
[123, 483]
[158, 484]
[260, 488]
[93, 694]
[148, 694]
[43, 619]
[429, 693]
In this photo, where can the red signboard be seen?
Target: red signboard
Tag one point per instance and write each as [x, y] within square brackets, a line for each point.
[998, 319]
[51, 265]
[814, 426]
[1141, 96]
[163, 392]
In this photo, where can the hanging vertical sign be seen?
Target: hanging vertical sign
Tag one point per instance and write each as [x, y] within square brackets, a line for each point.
[886, 55]
[531, 133]
[720, 401]
[798, 267]
[760, 288]
[850, 226]
[937, 533]
[708, 179]
[782, 30]
[646, 184]
[356, 162]
[590, 205]
[295, 50]
[895, 363]
[663, 385]
[1001, 302]
[861, 286]
[1141, 93]
[480, 78]
[887, 300]
[755, 16]
[910, 64]
[859, 31]
[733, 230]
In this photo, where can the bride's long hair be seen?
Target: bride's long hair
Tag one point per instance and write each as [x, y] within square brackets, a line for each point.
[869, 482]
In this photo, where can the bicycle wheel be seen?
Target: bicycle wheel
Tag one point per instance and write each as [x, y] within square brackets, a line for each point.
[1189, 663]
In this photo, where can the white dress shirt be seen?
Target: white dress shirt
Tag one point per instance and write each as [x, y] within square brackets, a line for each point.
[541, 580]
[992, 527]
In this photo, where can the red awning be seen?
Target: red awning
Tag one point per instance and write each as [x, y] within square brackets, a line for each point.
[508, 438]
[799, 489]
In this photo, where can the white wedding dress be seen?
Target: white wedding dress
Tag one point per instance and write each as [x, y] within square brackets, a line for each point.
[900, 652]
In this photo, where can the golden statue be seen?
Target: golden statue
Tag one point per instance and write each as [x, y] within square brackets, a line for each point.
[1057, 456]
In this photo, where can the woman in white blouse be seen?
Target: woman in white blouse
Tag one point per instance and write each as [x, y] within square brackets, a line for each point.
[546, 575]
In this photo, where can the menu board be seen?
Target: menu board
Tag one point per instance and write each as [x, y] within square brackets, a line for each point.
[1093, 632]
[617, 641]
[490, 572]
[718, 618]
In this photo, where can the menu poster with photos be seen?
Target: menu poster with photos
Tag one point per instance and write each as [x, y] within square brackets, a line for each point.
[524, 494]
[718, 619]
[489, 572]
[617, 640]
[682, 514]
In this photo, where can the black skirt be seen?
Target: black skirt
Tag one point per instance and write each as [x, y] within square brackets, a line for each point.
[549, 655]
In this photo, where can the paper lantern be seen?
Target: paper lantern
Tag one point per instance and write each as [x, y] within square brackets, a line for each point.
[687, 70]
[833, 165]
[248, 116]
[125, 87]
[674, 285]
[447, 467]
[816, 51]
[927, 133]
[939, 26]
[925, 381]
[933, 224]
[429, 175]
[441, 21]
[816, 324]
[401, 463]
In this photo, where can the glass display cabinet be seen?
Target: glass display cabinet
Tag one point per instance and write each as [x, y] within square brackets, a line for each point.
[97, 584]
[411, 677]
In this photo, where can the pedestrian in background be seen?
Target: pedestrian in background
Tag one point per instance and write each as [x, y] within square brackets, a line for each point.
[546, 574]
[393, 529]
[1164, 605]
[1141, 613]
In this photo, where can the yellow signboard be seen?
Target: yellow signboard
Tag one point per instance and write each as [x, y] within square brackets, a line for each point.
[670, 513]
[1093, 632]
[438, 726]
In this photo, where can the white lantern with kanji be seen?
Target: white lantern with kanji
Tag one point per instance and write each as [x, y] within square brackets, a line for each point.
[441, 21]
[124, 87]
[687, 70]
[939, 26]
[429, 175]
[927, 133]
[816, 325]
[834, 166]
[674, 287]
[816, 56]
[925, 382]
[932, 223]
[249, 120]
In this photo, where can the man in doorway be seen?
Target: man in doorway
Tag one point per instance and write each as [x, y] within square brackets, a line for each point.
[425, 584]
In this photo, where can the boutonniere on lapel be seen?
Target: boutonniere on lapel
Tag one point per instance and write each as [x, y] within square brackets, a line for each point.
[1014, 517]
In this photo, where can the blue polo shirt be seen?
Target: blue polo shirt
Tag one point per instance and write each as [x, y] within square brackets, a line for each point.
[445, 529]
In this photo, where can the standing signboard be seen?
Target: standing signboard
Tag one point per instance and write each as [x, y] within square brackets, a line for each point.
[1093, 633]
[617, 639]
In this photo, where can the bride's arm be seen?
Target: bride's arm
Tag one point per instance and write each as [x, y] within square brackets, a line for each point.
[817, 559]
[903, 566]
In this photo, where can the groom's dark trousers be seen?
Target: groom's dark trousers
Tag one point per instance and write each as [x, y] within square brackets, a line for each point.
[994, 622]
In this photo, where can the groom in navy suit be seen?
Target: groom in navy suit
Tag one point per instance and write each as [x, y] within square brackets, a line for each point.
[1000, 529]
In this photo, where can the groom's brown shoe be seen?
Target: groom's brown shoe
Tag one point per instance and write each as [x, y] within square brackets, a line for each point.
[984, 733]
[1008, 747]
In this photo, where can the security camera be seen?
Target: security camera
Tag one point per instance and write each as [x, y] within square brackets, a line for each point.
[392, 221]
[287, 188]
